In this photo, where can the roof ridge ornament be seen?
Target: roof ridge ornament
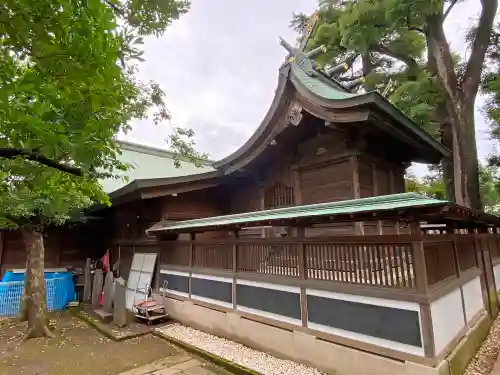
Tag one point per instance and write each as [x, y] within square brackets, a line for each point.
[301, 59]
[340, 68]
[305, 60]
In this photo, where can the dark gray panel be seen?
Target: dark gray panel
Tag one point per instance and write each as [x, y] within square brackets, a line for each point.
[175, 282]
[378, 321]
[269, 300]
[218, 290]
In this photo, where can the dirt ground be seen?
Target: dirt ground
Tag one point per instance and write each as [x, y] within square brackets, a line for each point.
[77, 349]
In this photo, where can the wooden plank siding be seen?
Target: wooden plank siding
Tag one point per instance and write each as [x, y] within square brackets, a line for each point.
[64, 247]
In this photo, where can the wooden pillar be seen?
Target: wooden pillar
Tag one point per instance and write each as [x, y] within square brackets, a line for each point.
[300, 235]
[262, 205]
[450, 228]
[392, 190]
[354, 166]
[488, 273]
[297, 192]
[235, 266]
[427, 330]
[192, 237]
[158, 264]
[375, 193]
[419, 268]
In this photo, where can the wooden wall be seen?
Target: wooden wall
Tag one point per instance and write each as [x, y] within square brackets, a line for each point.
[325, 168]
[64, 247]
[377, 177]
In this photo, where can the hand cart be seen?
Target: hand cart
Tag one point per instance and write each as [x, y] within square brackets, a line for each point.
[149, 309]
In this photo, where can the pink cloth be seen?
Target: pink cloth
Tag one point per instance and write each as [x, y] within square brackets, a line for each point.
[105, 261]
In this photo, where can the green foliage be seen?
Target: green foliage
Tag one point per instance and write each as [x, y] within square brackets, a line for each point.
[383, 41]
[431, 185]
[491, 87]
[67, 87]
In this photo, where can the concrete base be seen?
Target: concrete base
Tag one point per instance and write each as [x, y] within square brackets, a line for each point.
[293, 345]
[467, 348]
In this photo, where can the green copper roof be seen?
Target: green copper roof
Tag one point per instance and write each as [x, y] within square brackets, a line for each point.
[371, 204]
[329, 89]
[149, 163]
[320, 87]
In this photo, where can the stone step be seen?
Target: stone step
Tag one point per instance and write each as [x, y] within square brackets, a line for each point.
[105, 316]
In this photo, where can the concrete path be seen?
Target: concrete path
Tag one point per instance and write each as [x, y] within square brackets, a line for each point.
[178, 364]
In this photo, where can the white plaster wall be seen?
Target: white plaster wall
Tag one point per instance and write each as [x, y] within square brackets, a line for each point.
[473, 298]
[404, 305]
[447, 319]
[496, 272]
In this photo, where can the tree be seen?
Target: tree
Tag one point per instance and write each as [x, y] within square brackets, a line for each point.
[402, 50]
[67, 87]
[432, 185]
[491, 87]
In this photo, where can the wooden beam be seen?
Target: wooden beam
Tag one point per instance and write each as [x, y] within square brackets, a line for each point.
[354, 167]
[375, 193]
[297, 190]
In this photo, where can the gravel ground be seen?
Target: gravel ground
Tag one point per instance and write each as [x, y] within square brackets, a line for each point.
[242, 355]
[485, 359]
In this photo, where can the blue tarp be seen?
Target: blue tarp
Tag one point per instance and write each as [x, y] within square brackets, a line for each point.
[60, 291]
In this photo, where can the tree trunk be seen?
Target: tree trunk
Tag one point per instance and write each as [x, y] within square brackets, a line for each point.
[470, 158]
[446, 131]
[34, 304]
[23, 311]
[465, 161]
[460, 108]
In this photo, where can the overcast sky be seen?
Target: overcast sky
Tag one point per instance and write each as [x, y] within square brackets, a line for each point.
[219, 67]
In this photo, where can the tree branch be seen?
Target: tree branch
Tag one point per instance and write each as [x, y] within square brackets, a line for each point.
[11, 153]
[440, 50]
[415, 28]
[409, 61]
[115, 8]
[448, 10]
[472, 76]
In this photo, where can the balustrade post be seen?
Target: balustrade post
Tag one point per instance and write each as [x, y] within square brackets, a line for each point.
[192, 237]
[235, 266]
[301, 253]
[419, 268]
[235, 251]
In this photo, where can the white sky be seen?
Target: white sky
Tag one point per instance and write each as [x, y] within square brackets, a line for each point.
[219, 67]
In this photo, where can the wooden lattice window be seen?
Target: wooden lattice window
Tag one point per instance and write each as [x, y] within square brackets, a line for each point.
[279, 195]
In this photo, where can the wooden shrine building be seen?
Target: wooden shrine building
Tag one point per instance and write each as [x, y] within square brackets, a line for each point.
[303, 242]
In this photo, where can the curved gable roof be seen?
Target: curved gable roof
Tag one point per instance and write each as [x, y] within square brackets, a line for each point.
[298, 76]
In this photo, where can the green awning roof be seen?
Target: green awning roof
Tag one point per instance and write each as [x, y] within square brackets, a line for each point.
[284, 215]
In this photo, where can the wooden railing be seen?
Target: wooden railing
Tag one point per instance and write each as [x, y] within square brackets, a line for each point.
[385, 261]
[448, 255]
[395, 262]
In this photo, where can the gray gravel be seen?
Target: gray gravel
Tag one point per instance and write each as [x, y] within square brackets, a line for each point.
[483, 362]
[237, 353]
